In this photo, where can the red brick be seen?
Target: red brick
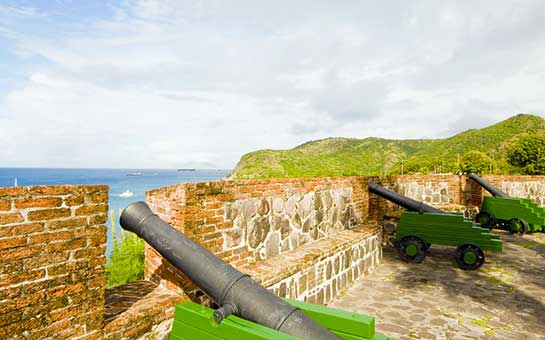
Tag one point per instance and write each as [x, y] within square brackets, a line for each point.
[17, 328]
[13, 242]
[73, 200]
[13, 191]
[7, 318]
[71, 223]
[89, 252]
[5, 205]
[98, 197]
[97, 240]
[48, 190]
[9, 293]
[88, 189]
[48, 214]
[49, 237]
[92, 210]
[65, 313]
[21, 229]
[50, 331]
[23, 301]
[44, 260]
[19, 253]
[40, 202]
[99, 281]
[60, 247]
[68, 268]
[61, 291]
[11, 218]
[98, 219]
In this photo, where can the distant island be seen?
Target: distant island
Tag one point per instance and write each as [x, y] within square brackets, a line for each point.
[380, 156]
[187, 169]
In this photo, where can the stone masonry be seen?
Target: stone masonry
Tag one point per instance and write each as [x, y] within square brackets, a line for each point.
[269, 226]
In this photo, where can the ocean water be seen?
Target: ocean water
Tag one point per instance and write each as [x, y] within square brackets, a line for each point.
[117, 179]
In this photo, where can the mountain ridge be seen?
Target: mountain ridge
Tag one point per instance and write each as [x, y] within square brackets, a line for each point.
[340, 156]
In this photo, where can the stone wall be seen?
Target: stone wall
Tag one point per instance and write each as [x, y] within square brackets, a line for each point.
[246, 221]
[520, 186]
[335, 270]
[271, 225]
[52, 246]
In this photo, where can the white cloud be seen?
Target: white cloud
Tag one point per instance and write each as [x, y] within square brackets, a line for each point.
[183, 83]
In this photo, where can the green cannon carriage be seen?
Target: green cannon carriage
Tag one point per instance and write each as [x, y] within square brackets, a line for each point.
[518, 215]
[421, 225]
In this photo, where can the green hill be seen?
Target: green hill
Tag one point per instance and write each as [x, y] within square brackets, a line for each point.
[375, 156]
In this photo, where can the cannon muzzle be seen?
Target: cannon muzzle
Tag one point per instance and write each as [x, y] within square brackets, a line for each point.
[232, 290]
[405, 202]
[487, 186]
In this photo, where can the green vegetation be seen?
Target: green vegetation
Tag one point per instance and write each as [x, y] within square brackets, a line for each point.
[378, 156]
[528, 153]
[126, 261]
[477, 162]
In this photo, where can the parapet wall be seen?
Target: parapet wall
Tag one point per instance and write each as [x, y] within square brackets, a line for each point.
[302, 238]
[247, 221]
[52, 246]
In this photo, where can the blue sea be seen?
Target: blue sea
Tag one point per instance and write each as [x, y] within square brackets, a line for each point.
[124, 188]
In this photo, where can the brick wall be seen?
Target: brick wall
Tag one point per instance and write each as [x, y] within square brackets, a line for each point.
[245, 221]
[52, 257]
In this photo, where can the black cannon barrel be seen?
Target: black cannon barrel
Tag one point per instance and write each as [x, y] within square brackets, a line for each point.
[488, 187]
[405, 202]
[234, 291]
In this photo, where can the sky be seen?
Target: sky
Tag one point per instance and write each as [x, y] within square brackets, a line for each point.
[170, 84]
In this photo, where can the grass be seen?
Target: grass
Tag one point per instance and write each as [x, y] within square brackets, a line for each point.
[126, 261]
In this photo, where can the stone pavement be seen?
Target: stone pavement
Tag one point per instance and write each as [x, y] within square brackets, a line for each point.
[504, 299]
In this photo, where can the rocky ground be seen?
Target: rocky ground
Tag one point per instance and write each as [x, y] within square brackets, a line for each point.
[504, 299]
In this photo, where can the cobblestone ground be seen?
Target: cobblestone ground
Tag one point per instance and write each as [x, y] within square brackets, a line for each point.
[504, 299]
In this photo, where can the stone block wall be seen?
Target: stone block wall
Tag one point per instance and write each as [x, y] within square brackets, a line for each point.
[52, 257]
[520, 186]
[247, 221]
[335, 270]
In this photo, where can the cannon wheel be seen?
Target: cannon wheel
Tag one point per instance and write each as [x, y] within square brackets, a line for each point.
[517, 225]
[412, 249]
[469, 257]
[486, 219]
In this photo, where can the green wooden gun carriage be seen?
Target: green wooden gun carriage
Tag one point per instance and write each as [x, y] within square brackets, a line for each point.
[421, 225]
[518, 215]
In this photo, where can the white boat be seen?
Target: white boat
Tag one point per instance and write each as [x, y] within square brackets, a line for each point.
[136, 173]
[126, 194]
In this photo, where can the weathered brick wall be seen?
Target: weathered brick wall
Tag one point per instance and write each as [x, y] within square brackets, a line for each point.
[245, 221]
[52, 256]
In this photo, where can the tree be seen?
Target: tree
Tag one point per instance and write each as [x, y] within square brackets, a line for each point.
[476, 161]
[528, 154]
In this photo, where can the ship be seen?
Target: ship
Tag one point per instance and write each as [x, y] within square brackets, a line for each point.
[136, 173]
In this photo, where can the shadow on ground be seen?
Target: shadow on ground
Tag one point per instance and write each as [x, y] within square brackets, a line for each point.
[505, 298]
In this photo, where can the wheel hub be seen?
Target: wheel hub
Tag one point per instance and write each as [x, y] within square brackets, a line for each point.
[411, 250]
[470, 258]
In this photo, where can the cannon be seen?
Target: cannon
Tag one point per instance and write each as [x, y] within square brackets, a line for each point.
[247, 307]
[421, 225]
[518, 215]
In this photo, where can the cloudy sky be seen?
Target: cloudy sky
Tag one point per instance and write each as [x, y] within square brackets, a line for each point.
[166, 84]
